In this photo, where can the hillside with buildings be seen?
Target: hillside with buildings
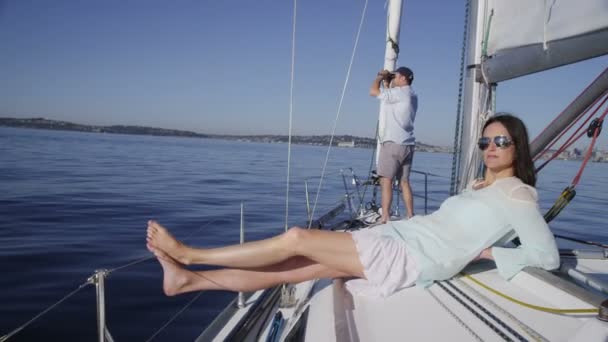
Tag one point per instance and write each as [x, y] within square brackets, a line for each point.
[345, 141]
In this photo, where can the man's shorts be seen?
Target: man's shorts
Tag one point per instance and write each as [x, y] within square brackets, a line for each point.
[395, 160]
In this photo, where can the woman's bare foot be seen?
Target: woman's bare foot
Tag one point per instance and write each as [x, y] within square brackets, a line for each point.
[175, 277]
[160, 239]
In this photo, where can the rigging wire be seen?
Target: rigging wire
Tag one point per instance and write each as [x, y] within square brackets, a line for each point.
[137, 261]
[293, 62]
[459, 109]
[89, 281]
[575, 135]
[569, 192]
[339, 110]
[573, 101]
[23, 326]
[592, 243]
[371, 161]
[572, 124]
[174, 317]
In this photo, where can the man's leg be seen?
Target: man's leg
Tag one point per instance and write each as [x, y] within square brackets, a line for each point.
[388, 165]
[408, 198]
[387, 198]
[404, 180]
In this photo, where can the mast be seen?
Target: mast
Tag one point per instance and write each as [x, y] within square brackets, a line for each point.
[391, 52]
[468, 158]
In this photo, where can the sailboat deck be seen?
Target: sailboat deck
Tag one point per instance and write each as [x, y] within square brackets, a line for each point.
[432, 314]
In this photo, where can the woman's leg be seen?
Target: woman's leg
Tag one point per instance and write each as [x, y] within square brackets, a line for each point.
[177, 280]
[334, 250]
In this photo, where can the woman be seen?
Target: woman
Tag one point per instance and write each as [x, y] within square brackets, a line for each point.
[472, 225]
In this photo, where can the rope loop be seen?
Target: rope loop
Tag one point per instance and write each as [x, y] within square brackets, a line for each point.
[394, 45]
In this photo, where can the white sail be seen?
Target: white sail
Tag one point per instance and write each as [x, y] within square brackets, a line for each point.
[508, 39]
[526, 36]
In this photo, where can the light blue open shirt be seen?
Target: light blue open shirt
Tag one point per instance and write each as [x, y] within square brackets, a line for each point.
[444, 242]
[398, 108]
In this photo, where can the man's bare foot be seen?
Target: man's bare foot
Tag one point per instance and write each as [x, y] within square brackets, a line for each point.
[175, 277]
[160, 239]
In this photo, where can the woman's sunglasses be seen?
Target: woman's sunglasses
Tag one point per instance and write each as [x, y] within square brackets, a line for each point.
[499, 140]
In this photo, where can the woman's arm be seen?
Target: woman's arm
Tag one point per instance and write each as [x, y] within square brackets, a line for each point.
[538, 247]
[485, 254]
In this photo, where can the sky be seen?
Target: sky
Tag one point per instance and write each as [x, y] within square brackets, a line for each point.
[224, 67]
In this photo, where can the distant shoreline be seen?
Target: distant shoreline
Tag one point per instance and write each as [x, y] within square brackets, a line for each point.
[347, 141]
[319, 140]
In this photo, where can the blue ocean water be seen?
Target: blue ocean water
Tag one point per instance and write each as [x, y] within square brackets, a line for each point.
[73, 202]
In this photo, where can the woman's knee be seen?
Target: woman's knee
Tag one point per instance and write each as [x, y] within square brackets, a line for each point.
[294, 237]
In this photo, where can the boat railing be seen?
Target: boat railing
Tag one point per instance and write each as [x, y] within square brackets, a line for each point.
[98, 278]
[358, 189]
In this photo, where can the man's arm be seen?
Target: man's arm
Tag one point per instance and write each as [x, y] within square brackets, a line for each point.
[374, 90]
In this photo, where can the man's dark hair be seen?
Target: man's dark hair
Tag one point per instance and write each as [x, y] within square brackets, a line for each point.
[407, 73]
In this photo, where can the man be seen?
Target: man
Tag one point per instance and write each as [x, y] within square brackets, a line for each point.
[398, 105]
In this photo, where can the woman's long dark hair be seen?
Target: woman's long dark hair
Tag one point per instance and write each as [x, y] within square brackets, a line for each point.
[523, 164]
